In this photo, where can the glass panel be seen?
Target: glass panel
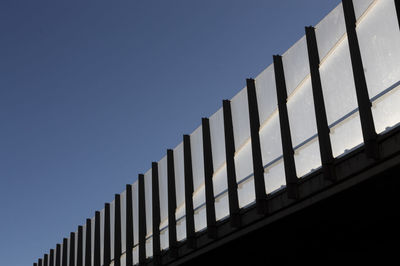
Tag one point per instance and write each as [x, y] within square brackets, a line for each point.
[148, 202]
[149, 247]
[68, 245]
[163, 187]
[330, 30]
[360, 6]
[112, 225]
[135, 208]
[181, 229]
[164, 240]
[123, 221]
[92, 240]
[295, 63]
[222, 206]
[340, 98]
[179, 180]
[123, 259]
[303, 126]
[270, 136]
[379, 40]
[240, 118]
[200, 218]
[218, 152]
[244, 169]
[135, 255]
[83, 244]
[196, 146]
[246, 192]
[75, 251]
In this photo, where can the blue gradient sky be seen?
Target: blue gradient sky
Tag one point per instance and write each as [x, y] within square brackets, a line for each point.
[91, 92]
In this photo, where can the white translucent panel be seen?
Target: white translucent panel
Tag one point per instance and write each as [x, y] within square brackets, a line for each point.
[135, 255]
[101, 237]
[330, 30]
[221, 206]
[61, 251]
[379, 39]
[386, 110]
[135, 208]
[360, 6]
[112, 228]
[179, 179]
[164, 240]
[244, 162]
[123, 259]
[181, 229]
[246, 192]
[338, 83]
[112, 263]
[295, 64]
[123, 221]
[68, 251]
[340, 98]
[196, 146]
[149, 247]
[163, 187]
[220, 182]
[244, 168]
[200, 218]
[301, 114]
[270, 140]
[217, 139]
[92, 239]
[266, 94]
[148, 202]
[307, 158]
[240, 118]
[346, 135]
[274, 177]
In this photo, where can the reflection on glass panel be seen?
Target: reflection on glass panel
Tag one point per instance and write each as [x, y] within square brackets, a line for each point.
[360, 6]
[379, 39]
[148, 202]
[123, 221]
[179, 180]
[295, 64]
[135, 211]
[330, 30]
[340, 99]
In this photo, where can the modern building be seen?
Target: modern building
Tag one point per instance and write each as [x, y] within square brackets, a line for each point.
[304, 158]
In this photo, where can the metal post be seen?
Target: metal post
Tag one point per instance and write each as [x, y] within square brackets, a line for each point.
[79, 251]
[58, 254]
[129, 226]
[72, 249]
[234, 210]
[208, 179]
[107, 235]
[156, 213]
[364, 103]
[287, 147]
[258, 168]
[325, 146]
[171, 205]
[40, 262]
[88, 242]
[117, 231]
[51, 258]
[142, 221]
[96, 258]
[46, 260]
[397, 4]
[65, 252]
[187, 158]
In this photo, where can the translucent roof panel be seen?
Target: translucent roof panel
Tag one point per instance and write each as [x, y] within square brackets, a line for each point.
[149, 202]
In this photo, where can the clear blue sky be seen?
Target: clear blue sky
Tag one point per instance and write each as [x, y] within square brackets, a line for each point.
[91, 92]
